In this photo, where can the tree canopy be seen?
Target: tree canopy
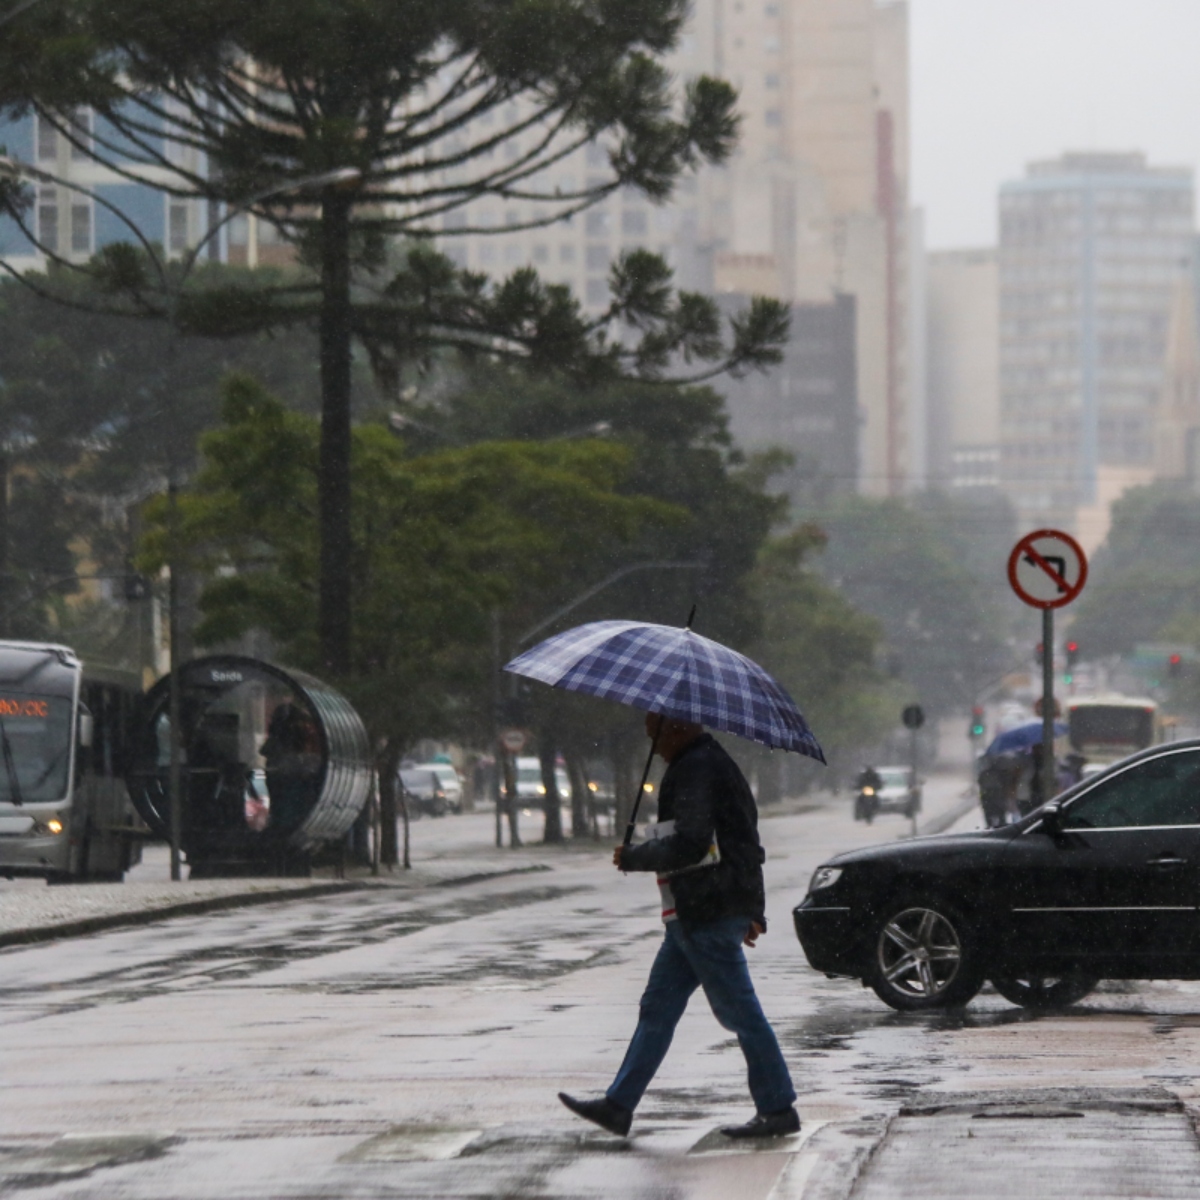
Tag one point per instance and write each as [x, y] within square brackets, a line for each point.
[1144, 581]
[244, 105]
[943, 607]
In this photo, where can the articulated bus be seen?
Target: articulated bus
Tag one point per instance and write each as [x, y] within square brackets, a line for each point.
[65, 812]
[1107, 728]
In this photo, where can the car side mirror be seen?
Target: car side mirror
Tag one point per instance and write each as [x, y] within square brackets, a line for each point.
[87, 729]
[1052, 820]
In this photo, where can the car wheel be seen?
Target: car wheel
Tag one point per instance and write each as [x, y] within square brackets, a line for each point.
[925, 957]
[1039, 992]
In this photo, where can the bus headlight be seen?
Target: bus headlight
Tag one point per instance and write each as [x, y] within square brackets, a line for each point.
[53, 825]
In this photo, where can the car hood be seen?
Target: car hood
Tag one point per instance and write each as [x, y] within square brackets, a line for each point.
[981, 841]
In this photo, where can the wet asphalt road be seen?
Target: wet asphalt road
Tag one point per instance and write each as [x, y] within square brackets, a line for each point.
[387, 1043]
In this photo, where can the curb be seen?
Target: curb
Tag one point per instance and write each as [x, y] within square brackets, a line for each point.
[185, 908]
[941, 823]
[189, 908]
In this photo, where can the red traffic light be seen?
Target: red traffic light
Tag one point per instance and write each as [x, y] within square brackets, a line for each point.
[1175, 659]
[1072, 647]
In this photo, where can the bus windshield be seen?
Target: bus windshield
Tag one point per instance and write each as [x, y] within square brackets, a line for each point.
[38, 729]
[1115, 729]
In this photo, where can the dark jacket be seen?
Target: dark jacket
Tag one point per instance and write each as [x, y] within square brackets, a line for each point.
[706, 795]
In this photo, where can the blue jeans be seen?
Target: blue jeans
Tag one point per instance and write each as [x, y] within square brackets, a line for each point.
[708, 956]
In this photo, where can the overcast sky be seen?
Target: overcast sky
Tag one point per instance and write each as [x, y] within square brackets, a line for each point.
[998, 83]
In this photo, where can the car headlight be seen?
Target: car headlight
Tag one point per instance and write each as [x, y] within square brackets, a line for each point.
[868, 791]
[824, 877]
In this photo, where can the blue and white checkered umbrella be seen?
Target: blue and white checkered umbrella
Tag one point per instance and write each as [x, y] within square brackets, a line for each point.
[665, 669]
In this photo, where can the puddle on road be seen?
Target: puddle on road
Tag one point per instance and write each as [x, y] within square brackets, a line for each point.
[413, 1143]
[76, 1155]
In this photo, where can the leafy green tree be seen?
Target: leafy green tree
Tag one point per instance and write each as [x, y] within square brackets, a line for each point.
[92, 408]
[430, 106]
[680, 453]
[1144, 581]
[439, 542]
[822, 650]
[943, 635]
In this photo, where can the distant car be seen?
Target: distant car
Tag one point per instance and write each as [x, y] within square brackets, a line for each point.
[899, 794]
[424, 790]
[1100, 883]
[449, 778]
[529, 780]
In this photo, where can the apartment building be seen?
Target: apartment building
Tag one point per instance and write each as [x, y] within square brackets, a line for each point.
[812, 207]
[1092, 250]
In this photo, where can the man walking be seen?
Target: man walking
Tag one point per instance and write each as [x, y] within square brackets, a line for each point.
[709, 864]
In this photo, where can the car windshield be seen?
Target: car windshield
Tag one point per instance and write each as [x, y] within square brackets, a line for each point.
[420, 783]
[529, 774]
[894, 776]
[38, 729]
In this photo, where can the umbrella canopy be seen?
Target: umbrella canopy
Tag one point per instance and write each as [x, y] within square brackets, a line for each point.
[665, 669]
[1023, 737]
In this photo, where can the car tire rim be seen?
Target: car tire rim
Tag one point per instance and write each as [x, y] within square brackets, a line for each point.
[919, 953]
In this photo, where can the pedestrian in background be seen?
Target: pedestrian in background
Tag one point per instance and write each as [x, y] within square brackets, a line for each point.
[708, 859]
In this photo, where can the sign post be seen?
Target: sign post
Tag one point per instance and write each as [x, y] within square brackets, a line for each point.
[1047, 569]
[913, 717]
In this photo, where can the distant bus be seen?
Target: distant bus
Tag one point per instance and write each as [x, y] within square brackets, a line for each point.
[65, 812]
[1107, 728]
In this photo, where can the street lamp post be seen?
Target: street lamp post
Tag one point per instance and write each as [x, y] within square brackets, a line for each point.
[172, 290]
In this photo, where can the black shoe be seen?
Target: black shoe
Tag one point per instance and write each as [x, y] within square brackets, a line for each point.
[767, 1125]
[602, 1112]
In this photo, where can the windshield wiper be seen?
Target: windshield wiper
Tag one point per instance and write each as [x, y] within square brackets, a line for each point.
[10, 766]
[52, 766]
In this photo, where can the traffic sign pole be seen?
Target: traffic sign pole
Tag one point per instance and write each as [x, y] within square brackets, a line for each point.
[1049, 773]
[1047, 569]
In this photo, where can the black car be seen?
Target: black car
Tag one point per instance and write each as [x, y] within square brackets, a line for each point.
[1101, 883]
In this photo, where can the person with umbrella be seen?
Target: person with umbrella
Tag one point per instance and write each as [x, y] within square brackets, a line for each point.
[707, 854]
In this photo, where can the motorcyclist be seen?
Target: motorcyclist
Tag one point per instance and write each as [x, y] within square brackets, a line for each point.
[868, 784]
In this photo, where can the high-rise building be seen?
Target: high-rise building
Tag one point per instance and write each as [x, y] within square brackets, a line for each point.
[812, 206]
[1091, 249]
[808, 404]
[963, 306]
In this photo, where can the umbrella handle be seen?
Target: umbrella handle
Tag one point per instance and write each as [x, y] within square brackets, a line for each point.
[645, 775]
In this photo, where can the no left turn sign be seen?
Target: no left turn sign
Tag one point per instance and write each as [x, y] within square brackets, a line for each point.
[1047, 568]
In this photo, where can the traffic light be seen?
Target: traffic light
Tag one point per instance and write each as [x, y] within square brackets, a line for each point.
[1072, 655]
[137, 587]
[977, 726]
[1175, 666]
